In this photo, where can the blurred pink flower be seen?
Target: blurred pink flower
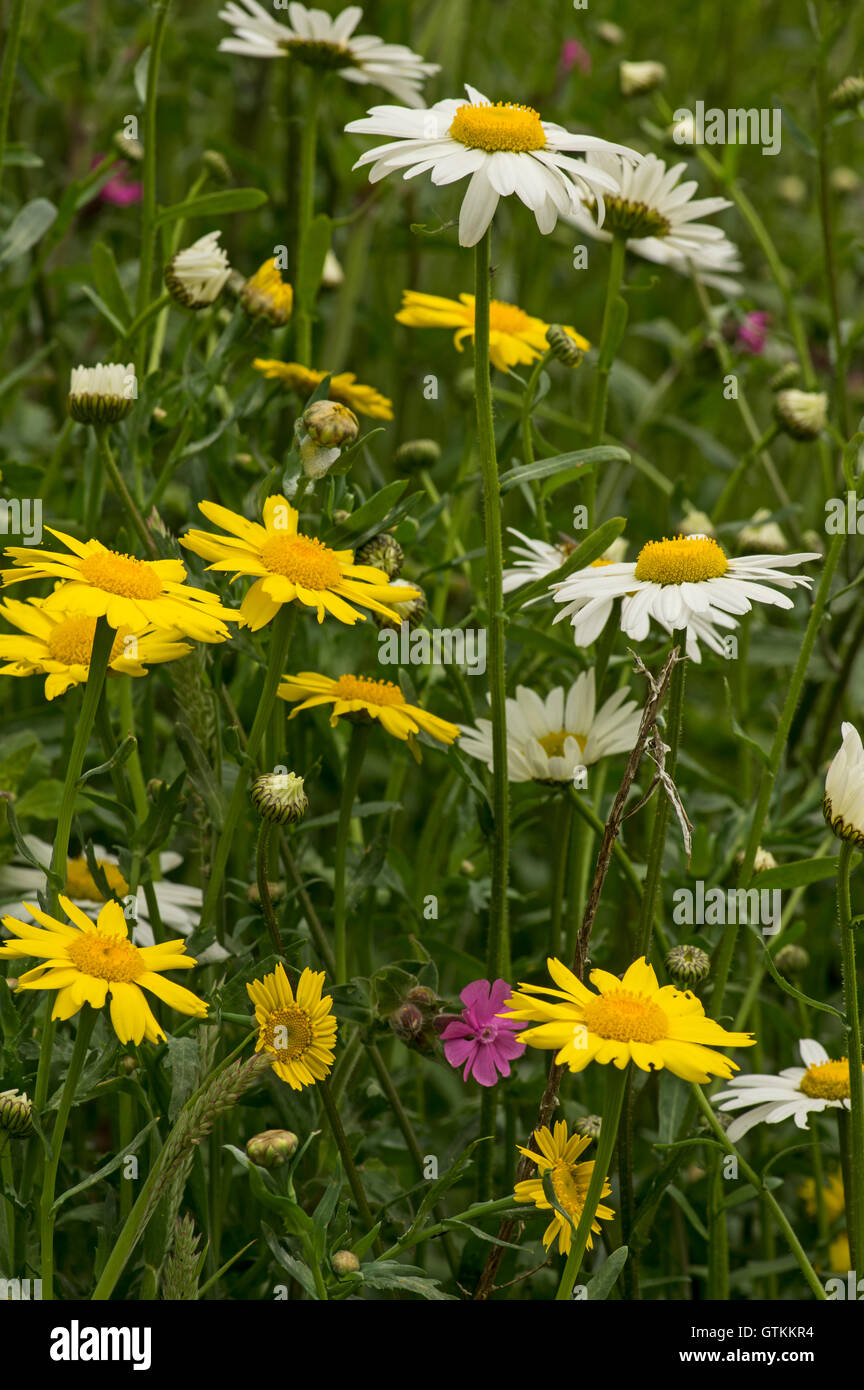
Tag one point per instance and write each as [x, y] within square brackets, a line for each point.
[753, 332]
[483, 1042]
[573, 55]
[118, 190]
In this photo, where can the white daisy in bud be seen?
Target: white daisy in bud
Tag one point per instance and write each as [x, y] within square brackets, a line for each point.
[660, 218]
[540, 558]
[551, 740]
[103, 394]
[686, 582]
[320, 41]
[636, 78]
[844, 788]
[797, 1092]
[503, 148]
[196, 276]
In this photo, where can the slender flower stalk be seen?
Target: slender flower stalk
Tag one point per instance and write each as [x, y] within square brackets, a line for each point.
[351, 781]
[498, 944]
[7, 71]
[616, 1085]
[610, 337]
[855, 1192]
[661, 810]
[306, 212]
[47, 1214]
[150, 166]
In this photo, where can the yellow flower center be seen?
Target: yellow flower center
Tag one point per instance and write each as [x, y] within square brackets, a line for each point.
[827, 1080]
[80, 884]
[287, 1032]
[553, 744]
[303, 559]
[120, 574]
[371, 691]
[570, 1187]
[71, 641]
[503, 126]
[507, 318]
[106, 957]
[634, 219]
[683, 560]
[627, 1017]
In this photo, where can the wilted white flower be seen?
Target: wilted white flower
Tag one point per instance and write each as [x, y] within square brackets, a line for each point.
[636, 78]
[844, 788]
[196, 276]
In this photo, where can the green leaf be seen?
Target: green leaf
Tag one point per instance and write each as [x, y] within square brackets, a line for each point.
[799, 873]
[389, 1276]
[107, 1168]
[739, 733]
[603, 1282]
[590, 549]
[117, 759]
[577, 464]
[674, 1095]
[315, 250]
[201, 772]
[117, 324]
[371, 514]
[183, 1058]
[106, 278]
[139, 77]
[296, 1268]
[28, 227]
[213, 205]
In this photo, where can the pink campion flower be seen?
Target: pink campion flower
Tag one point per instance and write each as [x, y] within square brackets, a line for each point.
[485, 1043]
[118, 190]
[753, 332]
[574, 55]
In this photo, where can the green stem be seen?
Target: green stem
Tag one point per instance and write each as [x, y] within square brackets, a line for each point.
[308, 143]
[617, 256]
[563, 831]
[264, 835]
[281, 635]
[351, 780]
[526, 430]
[7, 72]
[753, 1177]
[103, 638]
[616, 1085]
[661, 810]
[346, 1155]
[855, 1197]
[119, 485]
[148, 177]
[844, 1136]
[498, 945]
[732, 487]
[86, 1020]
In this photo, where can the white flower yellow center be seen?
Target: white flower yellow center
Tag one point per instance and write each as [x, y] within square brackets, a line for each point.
[683, 560]
[553, 744]
[827, 1080]
[287, 1033]
[71, 641]
[120, 574]
[626, 1017]
[106, 957]
[303, 559]
[81, 886]
[371, 691]
[503, 126]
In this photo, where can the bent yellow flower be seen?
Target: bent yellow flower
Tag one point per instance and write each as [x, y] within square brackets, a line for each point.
[59, 646]
[105, 583]
[344, 386]
[288, 566]
[632, 1019]
[359, 697]
[88, 960]
[299, 1029]
[265, 294]
[570, 1181]
[514, 337]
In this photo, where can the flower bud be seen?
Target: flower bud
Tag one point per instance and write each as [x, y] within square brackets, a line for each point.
[266, 295]
[792, 959]
[217, 165]
[272, 1147]
[196, 276]
[383, 553]
[332, 274]
[696, 523]
[130, 149]
[407, 1023]
[762, 537]
[801, 414]
[848, 95]
[410, 610]
[417, 453]
[588, 1126]
[793, 190]
[688, 966]
[102, 395]
[787, 375]
[844, 181]
[279, 797]
[844, 789]
[330, 424]
[637, 78]
[564, 346]
[16, 1113]
[610, 33]
[345, 1262]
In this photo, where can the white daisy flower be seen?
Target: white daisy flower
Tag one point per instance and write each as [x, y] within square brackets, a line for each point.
[179, 905]
[315, 38]
[503, 149]
[798, 1091]
[844, 788]
[687, 582]
[196, 275]
[661, 219]
[540, 558]
[102, 394]
[550, 740]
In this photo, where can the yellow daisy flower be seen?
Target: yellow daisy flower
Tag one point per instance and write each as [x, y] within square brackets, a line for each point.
[289, 566]
[514, 336]
[833, 1196]
[128, 592]
[839, 1257]
[344, 387]
[88, 960]
[570, 1181]
[632, 1019]
[267, 295]
[356, 697]
[298, 1030]
[58, 646]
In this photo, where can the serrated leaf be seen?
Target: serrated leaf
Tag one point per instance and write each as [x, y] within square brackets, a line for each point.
[213, 205]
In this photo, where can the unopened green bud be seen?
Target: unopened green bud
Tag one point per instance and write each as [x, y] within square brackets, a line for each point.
[410, 610]
[588, 1126]
[787, 375]
[417, 453]
[217, 165]
[849, 94]
[272, 1147]
[564, 346]
[16, 1113]
[345, 1262]
[688, 965]
[802, 414]
[330, 424]
[792, 959]
[383, 553]
[279, 797]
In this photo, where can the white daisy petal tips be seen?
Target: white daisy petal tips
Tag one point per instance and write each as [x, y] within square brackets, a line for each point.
[502, 148]
[844, 788]
[314, 38]
[797, 1092]
[550, 740]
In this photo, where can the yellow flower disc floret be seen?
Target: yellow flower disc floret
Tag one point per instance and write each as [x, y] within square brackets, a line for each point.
[682, 560]
[106, 957]
[504, 126]
[827, 1080]
[372, 691]
[71, 641]
[626, 1017]
[121, 574]
[303, 559]
[553, 744]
